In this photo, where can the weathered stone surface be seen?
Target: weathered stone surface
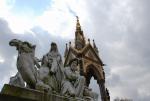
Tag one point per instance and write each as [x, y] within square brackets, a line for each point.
[5, 97]
[13, 93]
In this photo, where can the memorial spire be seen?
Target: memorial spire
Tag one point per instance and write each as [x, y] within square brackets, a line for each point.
[79, 36]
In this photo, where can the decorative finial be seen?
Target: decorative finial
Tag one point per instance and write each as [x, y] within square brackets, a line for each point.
[66, 46]
[95, 47]
[88, 40]
[78, 27]
[77, 18]
[66, 51]
[70, 44]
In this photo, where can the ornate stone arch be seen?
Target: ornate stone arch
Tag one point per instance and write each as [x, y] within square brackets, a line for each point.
[93, 71]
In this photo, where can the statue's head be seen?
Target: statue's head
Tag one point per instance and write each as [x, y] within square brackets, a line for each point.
[24, 46]
[73, 64]
[14, 42]
[53, 47]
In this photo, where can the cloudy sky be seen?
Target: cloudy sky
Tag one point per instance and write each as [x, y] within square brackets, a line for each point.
[121, 29]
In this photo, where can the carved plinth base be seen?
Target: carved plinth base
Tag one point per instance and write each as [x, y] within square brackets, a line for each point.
[13, 93]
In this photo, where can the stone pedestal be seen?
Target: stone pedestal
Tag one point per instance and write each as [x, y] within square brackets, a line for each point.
[13, 93]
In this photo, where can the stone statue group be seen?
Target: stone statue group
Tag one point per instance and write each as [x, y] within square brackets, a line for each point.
[47, 74]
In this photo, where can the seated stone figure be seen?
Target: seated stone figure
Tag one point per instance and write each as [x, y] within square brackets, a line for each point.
[74, 82]
[51, 69]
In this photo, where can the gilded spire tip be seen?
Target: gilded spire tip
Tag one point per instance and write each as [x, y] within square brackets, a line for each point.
[78, 23]
[77, 17]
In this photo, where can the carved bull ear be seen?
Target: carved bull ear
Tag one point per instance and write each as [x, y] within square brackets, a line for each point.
[28, 44]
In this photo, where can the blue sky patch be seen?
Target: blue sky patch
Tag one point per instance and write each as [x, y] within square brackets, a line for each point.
[37, 7]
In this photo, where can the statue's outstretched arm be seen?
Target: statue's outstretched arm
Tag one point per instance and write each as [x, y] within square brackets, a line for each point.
[71, 76]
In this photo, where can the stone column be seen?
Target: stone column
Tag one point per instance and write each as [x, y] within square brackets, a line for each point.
[81, 65]
[103, 91]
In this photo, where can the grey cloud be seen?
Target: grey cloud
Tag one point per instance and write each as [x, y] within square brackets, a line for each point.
[4, 28]
[39, 37]
[114, 80]
[121, 31]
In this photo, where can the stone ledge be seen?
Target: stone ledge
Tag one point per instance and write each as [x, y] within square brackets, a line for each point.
[13, 93]
[5, 97]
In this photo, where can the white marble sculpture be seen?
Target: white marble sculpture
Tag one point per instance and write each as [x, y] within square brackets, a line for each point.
[50, 76]
[26, 63]
[74, 83]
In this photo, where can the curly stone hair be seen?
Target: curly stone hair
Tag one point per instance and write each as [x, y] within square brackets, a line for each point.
[75, 59]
